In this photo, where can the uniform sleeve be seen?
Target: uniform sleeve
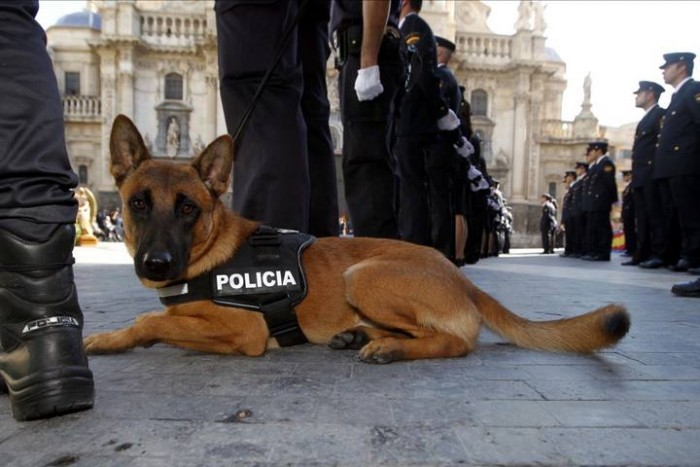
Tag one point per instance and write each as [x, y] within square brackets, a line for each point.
[419, 43]
[608, 175]
[694, 103]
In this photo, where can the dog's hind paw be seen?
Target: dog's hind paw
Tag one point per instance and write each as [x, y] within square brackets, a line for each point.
[376, 352]
[351, 339]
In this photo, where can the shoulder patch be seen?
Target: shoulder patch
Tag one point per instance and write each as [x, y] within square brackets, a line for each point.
[412, 38]
[697, 98]
[608, 168]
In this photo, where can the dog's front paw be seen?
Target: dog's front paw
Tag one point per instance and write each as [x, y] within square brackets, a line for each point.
[380, 351]
[108, 342]
[350, 339]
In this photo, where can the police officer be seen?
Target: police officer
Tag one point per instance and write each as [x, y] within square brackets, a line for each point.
[567, 216]
[599, 196]
[423, 114]
[548, 223]
[43, 366]
[284, 169]
[648, 212]
[678, 158]
[628, 209]
[366, 38]
[578, 215]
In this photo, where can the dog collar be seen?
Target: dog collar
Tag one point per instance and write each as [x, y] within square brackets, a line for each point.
[265, 274]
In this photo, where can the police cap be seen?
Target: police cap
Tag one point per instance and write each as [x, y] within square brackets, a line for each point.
[442, 42]
[570, 173]
[602, 145]
[677, 57]
[649, 86]
[582, 165]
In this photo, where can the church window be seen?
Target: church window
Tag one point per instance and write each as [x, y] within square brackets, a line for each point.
[552, 189]
[72, 83]
[83, 174]
[479, 102]
[173, 86]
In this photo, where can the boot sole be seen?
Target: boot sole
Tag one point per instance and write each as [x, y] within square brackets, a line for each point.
[50, 397]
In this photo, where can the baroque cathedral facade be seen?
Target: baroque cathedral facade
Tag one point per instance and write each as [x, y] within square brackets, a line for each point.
[156, 62]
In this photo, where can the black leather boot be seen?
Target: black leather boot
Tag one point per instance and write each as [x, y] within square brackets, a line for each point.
[43, 365]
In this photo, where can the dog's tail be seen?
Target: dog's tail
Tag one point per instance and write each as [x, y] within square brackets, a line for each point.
[584, 333]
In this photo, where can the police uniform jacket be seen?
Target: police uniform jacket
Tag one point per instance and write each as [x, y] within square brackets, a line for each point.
[644, 147]
[421, 104]
[548, 221]
[567, 207]
[628, 201]
[576, 190]
[349, 12]
[601, 187]
[678, 149]
[449, 89]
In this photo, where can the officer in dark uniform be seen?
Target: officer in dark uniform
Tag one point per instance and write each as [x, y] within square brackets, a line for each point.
[422, 115]
[548, 222]
[567, 214]
[370, 73]
[648, 212]
[284, 168]
[678, 158]
[600, 194]
[578, 215]
[627, 215]
[442, 162]
[43, 366]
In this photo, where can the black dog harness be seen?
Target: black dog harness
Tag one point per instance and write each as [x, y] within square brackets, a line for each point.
[265, 275]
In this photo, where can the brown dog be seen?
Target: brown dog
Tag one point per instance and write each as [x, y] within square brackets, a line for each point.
[392, 300]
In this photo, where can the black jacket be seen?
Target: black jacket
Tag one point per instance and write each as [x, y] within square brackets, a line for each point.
[644, 148]
[601, 188]
[678, 150]
[421, 104]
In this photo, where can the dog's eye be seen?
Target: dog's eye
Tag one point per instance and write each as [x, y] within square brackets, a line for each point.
[187, 209]
[138, 205]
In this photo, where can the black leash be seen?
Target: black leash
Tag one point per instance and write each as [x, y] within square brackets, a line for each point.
[279, 51]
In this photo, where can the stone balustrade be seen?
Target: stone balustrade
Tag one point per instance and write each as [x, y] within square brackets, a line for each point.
[81, 107]
[174, 29]
[557, 129]
[489, 49]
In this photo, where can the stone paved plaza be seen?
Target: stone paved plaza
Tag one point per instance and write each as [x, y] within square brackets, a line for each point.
[636, 404]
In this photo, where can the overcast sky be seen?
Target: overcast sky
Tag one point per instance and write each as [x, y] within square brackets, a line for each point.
[618, 42]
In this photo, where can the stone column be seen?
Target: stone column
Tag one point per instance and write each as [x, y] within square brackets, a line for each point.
[519, 172]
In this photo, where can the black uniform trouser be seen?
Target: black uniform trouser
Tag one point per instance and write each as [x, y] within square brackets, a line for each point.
[547, 243]
[368, 168]
[569, 235]
[414, 204]
[649, 220]
[630, 230]
[441, 166]
[599, 233]
[36, 179]
[686, 195]
[283, 171]
[672, 239]
[476, 223]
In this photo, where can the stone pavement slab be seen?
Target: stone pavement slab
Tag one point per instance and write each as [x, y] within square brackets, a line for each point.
[635, 404]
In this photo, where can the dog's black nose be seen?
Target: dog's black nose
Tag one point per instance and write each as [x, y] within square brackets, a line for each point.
[157, 264]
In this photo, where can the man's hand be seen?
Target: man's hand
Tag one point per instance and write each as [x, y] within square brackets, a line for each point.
[465, 149]
[449, 122]
[368, 85]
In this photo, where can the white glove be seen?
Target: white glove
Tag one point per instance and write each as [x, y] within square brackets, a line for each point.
[466, 149]
[368, 85]
[449, 122]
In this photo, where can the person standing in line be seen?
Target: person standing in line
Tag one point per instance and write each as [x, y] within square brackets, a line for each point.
[678, 159]
[600, 194]
[578, 188]
[567, 217]
[648, 211]
[284, 166]
[43, 366]
[548, 223]
[366, 39]
[628, 224]
[423, 116]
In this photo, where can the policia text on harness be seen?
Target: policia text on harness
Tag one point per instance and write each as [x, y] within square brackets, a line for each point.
[265, 275]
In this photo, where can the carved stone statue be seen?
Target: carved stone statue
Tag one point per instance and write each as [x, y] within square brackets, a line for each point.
[587, 89]
[173, 137]
[524, 15]
[540, 24]
[199, 146]
[86, 217]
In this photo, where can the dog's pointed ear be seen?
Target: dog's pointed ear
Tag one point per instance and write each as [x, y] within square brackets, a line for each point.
[214, 164]
[126, 148]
